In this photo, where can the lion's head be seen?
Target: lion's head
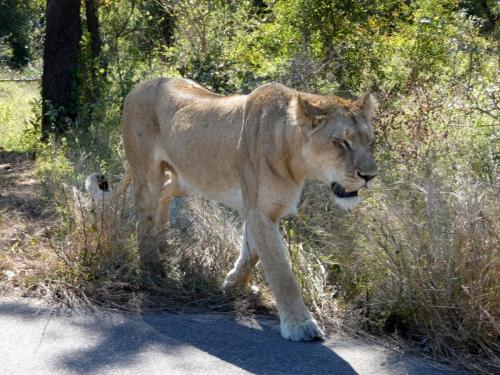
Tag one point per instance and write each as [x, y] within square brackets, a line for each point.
[338, 143]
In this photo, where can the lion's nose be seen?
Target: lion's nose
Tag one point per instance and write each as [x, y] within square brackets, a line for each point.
[367, 177]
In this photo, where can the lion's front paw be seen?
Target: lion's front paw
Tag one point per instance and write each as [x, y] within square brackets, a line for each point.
[307, 330]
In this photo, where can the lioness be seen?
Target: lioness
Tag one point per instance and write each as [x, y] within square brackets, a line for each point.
[252, 153]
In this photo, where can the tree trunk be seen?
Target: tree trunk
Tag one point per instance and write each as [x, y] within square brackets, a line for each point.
[96, 63]
[60, 62]
[91, 9]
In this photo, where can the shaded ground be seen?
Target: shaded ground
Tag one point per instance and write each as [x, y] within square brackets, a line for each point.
[19, 199]
[40, 340]
[23, 221]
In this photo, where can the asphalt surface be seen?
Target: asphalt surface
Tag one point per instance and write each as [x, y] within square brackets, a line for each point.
[39, 340]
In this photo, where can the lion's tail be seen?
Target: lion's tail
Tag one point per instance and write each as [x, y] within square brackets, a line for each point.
[98, 187]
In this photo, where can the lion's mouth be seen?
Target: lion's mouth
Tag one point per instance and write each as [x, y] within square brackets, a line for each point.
[340, 192]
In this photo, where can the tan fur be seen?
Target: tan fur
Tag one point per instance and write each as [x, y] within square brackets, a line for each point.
[252, 153]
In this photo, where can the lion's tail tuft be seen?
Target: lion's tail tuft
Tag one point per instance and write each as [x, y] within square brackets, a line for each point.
[98, 187]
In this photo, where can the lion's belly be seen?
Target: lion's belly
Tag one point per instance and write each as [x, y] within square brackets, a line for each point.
[229, 197]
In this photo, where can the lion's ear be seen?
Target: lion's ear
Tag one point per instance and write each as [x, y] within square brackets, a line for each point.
[304, 113]
[368, 105]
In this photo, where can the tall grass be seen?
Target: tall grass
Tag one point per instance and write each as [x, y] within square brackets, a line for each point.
[437, 278]
[419, 262]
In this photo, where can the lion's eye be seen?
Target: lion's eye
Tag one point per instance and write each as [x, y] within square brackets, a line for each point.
[345, 145]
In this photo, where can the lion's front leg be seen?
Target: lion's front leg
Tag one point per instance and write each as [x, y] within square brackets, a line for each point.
[296, 321]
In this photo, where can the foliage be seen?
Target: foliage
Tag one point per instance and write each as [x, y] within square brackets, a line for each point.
[19, 31]
[16, 117]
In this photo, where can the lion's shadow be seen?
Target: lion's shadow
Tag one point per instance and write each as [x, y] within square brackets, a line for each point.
[259, 350]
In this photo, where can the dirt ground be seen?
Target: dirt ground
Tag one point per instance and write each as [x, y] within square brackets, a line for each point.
[22, 217]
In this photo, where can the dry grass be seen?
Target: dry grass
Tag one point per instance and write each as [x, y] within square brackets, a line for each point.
[438, 252]
[86, 256]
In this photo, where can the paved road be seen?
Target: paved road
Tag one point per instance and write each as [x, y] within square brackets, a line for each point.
[39, 340]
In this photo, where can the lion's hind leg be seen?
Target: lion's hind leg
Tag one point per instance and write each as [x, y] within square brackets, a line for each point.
[169, 191]
[248, 258]
[147, 190]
